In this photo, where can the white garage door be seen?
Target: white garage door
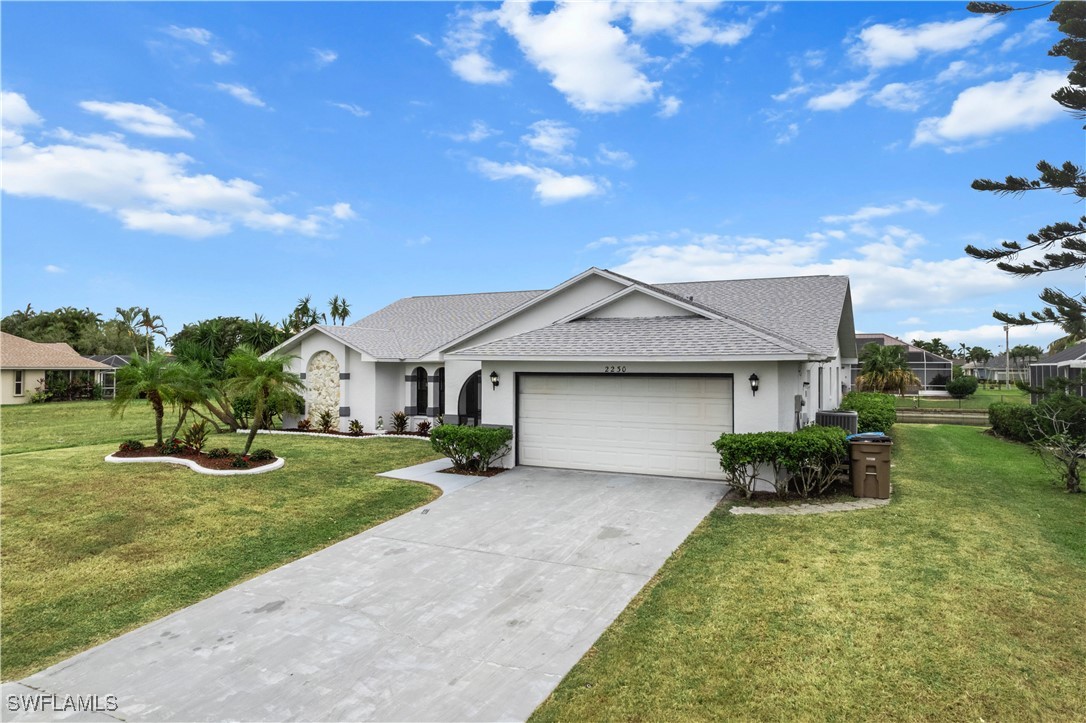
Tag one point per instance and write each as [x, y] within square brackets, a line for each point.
[661, 425]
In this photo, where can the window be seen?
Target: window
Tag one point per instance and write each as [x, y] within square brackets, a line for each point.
[19, 382]
[422, 391]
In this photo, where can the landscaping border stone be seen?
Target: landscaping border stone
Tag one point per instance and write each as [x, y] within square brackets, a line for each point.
[277, 464]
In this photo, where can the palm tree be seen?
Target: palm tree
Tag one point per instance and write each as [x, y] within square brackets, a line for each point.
[154, 377]
[260, 334]
[338, 309]
[191, 385]
[151, 325]
[130, 319]
[259, 378]
[344, 311]
[885, 369]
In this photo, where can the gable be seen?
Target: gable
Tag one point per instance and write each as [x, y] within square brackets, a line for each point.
[637, 305]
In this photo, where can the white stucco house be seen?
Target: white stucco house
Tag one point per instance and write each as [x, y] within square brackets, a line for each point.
[601, 372]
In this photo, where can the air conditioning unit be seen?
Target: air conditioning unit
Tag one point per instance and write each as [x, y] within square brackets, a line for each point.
[848, 421]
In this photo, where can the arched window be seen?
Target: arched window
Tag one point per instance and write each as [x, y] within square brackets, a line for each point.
[422, 391]
[439, 382]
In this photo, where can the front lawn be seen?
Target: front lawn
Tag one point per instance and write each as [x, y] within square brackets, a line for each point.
[962, 600]
[90, 549]
[33, 427]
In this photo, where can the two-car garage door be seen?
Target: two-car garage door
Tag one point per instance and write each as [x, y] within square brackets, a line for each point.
[658, 425]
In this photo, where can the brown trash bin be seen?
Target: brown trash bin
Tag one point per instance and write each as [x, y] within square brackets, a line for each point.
[870, 469]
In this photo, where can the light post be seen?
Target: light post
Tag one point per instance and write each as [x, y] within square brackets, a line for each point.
[1007, 355]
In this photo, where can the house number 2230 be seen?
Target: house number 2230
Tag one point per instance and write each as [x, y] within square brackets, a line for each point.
[614, 370]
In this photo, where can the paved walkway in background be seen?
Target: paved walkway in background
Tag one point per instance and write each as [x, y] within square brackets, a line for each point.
[472, 608]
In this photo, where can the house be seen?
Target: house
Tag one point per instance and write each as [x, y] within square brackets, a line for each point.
[1068, 364]
[998, 369]
[24, 363]
[932, 370]
[601, 372]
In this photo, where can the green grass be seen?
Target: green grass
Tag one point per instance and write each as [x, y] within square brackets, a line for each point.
[90, 550]
[962, 600]
[34, 427]
[980, 400]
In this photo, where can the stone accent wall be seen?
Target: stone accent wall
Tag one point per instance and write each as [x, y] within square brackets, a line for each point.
[322, 385]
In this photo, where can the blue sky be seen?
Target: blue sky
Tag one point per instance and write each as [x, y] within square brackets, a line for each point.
[209, 159]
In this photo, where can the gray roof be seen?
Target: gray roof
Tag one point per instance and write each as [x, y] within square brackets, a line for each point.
[804, 308]
[682, 336]
[1071, 353]
[415, 326]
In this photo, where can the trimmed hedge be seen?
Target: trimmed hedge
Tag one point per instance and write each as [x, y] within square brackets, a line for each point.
[805, 461]
[471, 448]
[1020, 422]
[876, 411]
[962, 387]
[1011, 420]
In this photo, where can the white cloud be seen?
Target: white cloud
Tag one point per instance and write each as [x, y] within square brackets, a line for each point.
[789, 134]
[900, 96]
[356, 110]
[423, 39]
[609, 157]
[1037, 31]
[222, 57]
[342, 211]
[841, 97]
[420, 241]
[324, 57]
[869, 212]
[240, 92]
[882, 46]
[669, 106]
[990, 336]
[466, 46]
[552, 139]
[886, 275]
[480, 131]
[137, 118]
[53, 269]
[200, 36]
[687, 23]
[1023, 101]
[792, 92]
[146, 190]
[15, 113]
[550, 185]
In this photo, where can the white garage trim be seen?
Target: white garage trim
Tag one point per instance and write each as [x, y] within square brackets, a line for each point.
[658, 424]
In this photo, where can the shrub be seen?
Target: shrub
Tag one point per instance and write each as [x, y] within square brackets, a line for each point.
[1011, 420]
[939, 380]
[219, 453]
[812, 456]
[96, 392]
[172, 446]
[962, 387]
[240, 461]
[355, 428]
[745, 457]
[423, 428]
[471, 448]
[262, 455]
[305, 424]
[131, 445]
[399, 422]
[1058, 432]
[326, 422]
[876, 411]
[196, 435]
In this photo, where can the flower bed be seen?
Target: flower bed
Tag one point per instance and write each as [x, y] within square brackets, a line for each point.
[228, 463]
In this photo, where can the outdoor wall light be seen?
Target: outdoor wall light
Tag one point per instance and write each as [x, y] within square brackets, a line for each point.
[494, 379]
[753, 379]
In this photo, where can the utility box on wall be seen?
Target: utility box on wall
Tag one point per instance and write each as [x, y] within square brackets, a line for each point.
[869, 463]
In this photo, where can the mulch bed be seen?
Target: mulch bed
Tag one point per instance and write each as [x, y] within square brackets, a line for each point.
[199, 458]
[337, 433]
[489, 473]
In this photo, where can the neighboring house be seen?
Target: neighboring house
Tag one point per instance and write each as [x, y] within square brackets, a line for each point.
[997, 369]
[23, 364]
[602, 372]
[932, 370]
[108, 380]
[1067, 364]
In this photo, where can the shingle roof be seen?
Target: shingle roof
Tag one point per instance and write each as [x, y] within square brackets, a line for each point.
[1071, 353]
[19, 353]
[412, 327]
[804, 308]
[685, 336]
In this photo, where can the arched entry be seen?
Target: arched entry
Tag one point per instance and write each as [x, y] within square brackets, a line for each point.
[322, 382]
[470, 406]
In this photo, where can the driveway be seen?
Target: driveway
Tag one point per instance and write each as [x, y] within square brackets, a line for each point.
[472, 608]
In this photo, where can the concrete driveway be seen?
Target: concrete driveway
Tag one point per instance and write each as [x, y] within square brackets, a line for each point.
[472, 608]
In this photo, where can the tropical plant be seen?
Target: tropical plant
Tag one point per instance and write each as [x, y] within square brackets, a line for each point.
[129, 319]
[154, 378]
[339, 309]
[151, 324]
[259, 377]
[305, 424]
[262, 455]
[399, 422]
[326, 422]
[355, 428]
[191, 385]
[885, 369]
[423, 428]
[196, 435]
